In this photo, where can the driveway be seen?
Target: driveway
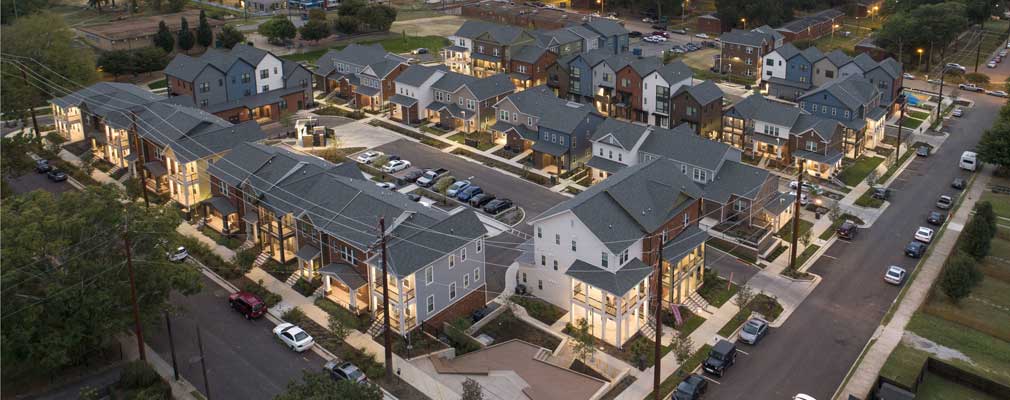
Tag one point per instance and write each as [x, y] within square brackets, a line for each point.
[814, 349]
[32, 180]
[361, 134]
[728, 266]
[244, 361]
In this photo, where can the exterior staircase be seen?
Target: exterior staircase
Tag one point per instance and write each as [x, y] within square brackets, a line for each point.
[542, 354]
[697, 304]
[261, 259]
[293, 278]
[377, 325]
[246, 245]
[320, 292]
[649, 330]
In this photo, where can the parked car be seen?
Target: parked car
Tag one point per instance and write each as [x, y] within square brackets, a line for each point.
[414, 197]
[894, 275]
[915, 249]
[701, 36]
[479, 314]
[936, 218]
[881, 193]
[991, 64]
[691, 388]
[466, 194]
[481, 199]
[651, 39]
[804, 200]
[971, 87]
[720, 358]
[801, 396]
[496, 206]
[179, 255]
[807, 187]
[958, 112]
[247, 304]
[345, 372]
[1003, 53]
[648, 20]
[635, 34]
[294, 337]
[997, 93]
[908, 76]
[679, 31]
[956, 66]
[753, 331]
[420, 50]
[924, 234]
[395, 166]
[56, 175]
[457, 187]
[922, 151]
[944, 202]
[847, 230]
[659, 29]
[386, 185]
[958, 183]
[369, 156]
[413, 175]
[42, 166]
[429, 177]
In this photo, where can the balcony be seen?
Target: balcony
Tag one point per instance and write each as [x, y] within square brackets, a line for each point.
[394, 296]
[579, 295]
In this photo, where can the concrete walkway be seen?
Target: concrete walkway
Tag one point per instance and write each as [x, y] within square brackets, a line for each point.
[888, 336]
[97, 175]
[181, 389]
[189, 230]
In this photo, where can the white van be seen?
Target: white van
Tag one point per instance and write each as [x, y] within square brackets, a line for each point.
[968, 161]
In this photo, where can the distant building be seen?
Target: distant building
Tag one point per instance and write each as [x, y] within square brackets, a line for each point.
[363, 74]
[812, 26]
[710, 24]
[138, 32]
[866, 8]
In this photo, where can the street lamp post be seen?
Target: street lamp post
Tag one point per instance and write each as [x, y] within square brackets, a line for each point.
[600, 2]
[833, 27]
[744, 21]
[919, 51]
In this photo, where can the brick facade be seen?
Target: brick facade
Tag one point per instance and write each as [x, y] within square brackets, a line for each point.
[474, 301]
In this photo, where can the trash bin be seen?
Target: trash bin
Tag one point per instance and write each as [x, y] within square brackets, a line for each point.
[817, 215]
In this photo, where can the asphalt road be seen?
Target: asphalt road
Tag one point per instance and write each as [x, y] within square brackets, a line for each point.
[244, 360]
[728, 266]
[812, 352]
[533, 198]
[32, 180]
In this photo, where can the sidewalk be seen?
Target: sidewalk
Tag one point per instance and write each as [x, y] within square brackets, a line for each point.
[186, 229]
[181, 389]
[97, 175]
[888, 336]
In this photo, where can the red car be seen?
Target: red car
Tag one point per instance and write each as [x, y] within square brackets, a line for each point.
[661, 33]
[247, 304]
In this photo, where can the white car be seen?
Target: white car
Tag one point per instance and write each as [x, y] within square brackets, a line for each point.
[701, 36]
[807, 187]
[369, 156]
[801, 396]
[178, 255]
[386, 185]
[294, 337]
[908, 76]
[924, 234]
[395, 165]
[1003, 53]
[894, 275]
[957, 67]
[991, 64]
[804, 200]
[957, 112]
[997, 93]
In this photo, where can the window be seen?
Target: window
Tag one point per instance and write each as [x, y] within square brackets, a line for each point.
[561, 140]
[480, 245]
[204, 102]
[623, 258]
[266, 88]
[540, 284]
[347, 253]
[625, 82]
[246, 77]
[429, 275]
[303, 83]
[606, 77]
[452, 290]
[683, 169]
[691, 111]
[687, 219]
[504, 115]
[430, 304]
[749, 50]
[496, 51]
[543, 260]
[700, 175]
[275, 70]
[834, 111]
[204, 87]
[540, 232]
[846, 113]
[476, 275]
[604, 259]
[555, 265]
[466, 280]
[220, 82]
[601, 152]
[462, 254]
[529, 121]
[524, 277]
[771, 63]
[811, 145]
[557, 238]
[223, 188]
[265, 73]
[618, 155]
[740, 205]
[610, 154]
[452, 260]
[829, 74]
[574, 247]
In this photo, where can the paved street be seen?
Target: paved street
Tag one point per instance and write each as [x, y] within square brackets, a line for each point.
[533, 198]
[244, 361]
[814, 349]
[32, 180]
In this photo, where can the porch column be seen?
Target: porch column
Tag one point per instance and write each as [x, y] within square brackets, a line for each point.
[371, 290]
[224, 223]
[353, 294]
[326, 285]
[280, 237]
[603, 320]
[620, 321]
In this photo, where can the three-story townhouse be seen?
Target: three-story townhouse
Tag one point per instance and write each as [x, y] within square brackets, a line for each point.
[629, 101]
[465, 103]
[700, 107]
[659, 87]
[742, 53]
[855, 102]
[789, 72]
[414, 93]
[826, 69]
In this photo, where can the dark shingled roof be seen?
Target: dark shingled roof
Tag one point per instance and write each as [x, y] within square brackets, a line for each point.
[735, 178]
[683, 145]
[617, 283]
[761, 108]
[494, 85]
[748, 38]
[626, 133]
[605, 26]
[704, 92]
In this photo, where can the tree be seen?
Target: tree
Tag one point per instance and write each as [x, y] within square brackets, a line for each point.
[81, 264]
[377, 16]
[583, 340]
[48, 53]
[116, 62]
[351, 7]
[977, 78]
[174, 6]
[682, 347]
[956, 280]
[317, 14]
[338, 328]
[230, 36]
[379, 161]
[10, 10]
[315, 30]
[185, 36]
[319, 386]
[204, 35]
[149, 59]
[53, 142]
[640, 352]
[985, 213]
[872, 178]
[472, 390]
[976, 239]
[744, 295]
[164, 39]
[346, 24]
[278, 30]
[994, 147]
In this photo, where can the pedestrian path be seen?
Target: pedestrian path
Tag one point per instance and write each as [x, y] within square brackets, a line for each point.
[96, 174]
[187, 229]
[887, 337]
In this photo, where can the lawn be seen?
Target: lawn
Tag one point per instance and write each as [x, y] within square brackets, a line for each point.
[917, 114]
[807, 253]
[855, 173]
[667, 385]
[786, 233]
[911, 123]
[539, 309]
[936, 387]
[714, 290]
[507, 327]
[397, 44]
[350, 320]
[867, 200]
[159, 84]
[904, 364]
[1000, 202]
[692, 322]
[990, 356]
[761, 304]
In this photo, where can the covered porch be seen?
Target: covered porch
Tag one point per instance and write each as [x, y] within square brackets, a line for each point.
[551, 157]
[768, 146]
[450, 116]
[404, 109]
[345, 286]
[156, 177]
[366, 97]
[615, 304]
[516, 138]
[221, 216]
[817, 164]
[683, 265]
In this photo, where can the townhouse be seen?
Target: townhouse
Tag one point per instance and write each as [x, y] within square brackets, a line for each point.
[742, 53]
[166, 145]
[325, 217]
[785, 134]
[887, 75]
[658, 88]
[241, 84]
[699, 107]
[414, 92]
[467, 103]
[789, 72]
[528, 66]
[363, 74]
[856, 103]
[557, 131]
[572, 76]
[482, 48]
[619, 84]
[813, 26]
[826, 69]
[613, 35]
[594, 254]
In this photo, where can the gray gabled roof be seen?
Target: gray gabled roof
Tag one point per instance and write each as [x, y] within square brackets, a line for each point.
[557, 36]
[768, 30]
[416, 74]
[632, 203]
[551, 111]
[187, 68]
[823, 127]
[812, 54]
[626, 133]
[413, 247]
[583, 32]
[592, 57]
[675, 71]
[748, 38]
[892, 67]
[494, 85]
[528, 53]
[616, 283]
[504, 34]
[838, 58]
[290, 67]
[761, 108]
[106, 98]
[735, 178]
[452, 81]
[704, 92]
[864, 62]
[787, 51]
[853, 91]
[355, 54]
[605, 27]
[681, 144]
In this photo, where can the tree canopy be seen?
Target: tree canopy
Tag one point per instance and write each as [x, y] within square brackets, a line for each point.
[945, 22]
[65, 286]
[994, 147]
[278, 29]
[315, 29]
[204, 35]
[163, 38]
[319, 386]
[186, 39]
[230, 36]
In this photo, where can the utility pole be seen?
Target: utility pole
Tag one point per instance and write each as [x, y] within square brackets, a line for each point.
[133, 292]
[386, 338]
[203, 361]
[901, 126]
[978, 50]
[929, 59]
[31, 110]
[171, 346]
[656, 379]
[142, 158]
[939, 103]
[796, 216]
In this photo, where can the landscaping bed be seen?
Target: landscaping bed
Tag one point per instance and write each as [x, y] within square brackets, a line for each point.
[335, 155]
[202, 252]
[867, 200]
[307, 286]
[582, 368]
[619, 387]
[349, 319]
[716, 290]
[540, 310]
[420, 343]
[280, 271]
[339, 112]
[781, 249]
[507, 327]
[230, 242]
[691, 321]
[786, 233]
[438, 144]
[762, 304]
[807, 253]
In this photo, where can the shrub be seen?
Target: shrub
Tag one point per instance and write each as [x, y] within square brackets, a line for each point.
[977, 78]
[295, 316]
[268, 297]
[956, 280]
[307, 286]
[985, 212]
[248, 256]
[976, 240]
[137, 375]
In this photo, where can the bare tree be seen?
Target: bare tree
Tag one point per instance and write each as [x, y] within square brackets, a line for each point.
[682, 347]
[743, 296]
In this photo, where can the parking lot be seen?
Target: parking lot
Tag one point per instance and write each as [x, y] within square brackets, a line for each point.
[32, 180]
[656, 49]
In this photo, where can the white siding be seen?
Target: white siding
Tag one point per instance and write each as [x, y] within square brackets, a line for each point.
[557, 285]
[778, 70]
[615, 153]
[275, 71]
[759, 126]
